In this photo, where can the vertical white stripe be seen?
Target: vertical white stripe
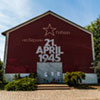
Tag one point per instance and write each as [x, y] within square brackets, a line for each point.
[93, 51]
[6, 51]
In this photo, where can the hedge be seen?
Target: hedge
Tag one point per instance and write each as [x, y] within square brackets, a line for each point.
[24, 84]
[74, 78]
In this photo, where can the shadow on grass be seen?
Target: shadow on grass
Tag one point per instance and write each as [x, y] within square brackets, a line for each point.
[85, 86]
[81, 87]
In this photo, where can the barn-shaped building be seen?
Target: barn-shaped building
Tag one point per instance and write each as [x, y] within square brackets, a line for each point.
[50, 46]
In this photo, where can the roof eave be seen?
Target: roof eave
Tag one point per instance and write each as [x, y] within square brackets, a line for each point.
[44, 14]
[5, 32]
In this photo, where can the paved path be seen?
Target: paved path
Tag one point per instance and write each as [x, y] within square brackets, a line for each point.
[73, 94]
[53, 87]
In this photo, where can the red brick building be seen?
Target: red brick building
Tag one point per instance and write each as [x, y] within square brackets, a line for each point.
[49, 45]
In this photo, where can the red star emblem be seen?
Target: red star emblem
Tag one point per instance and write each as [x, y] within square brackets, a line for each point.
[49, 30]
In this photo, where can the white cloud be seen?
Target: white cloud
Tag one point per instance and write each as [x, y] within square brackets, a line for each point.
[2, 39]
[86, 12]
[18, 7]
[12, 13]
[1, 50]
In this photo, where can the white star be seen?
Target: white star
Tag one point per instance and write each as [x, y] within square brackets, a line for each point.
[49, 30]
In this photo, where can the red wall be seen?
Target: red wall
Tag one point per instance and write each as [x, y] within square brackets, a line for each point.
[22, 57]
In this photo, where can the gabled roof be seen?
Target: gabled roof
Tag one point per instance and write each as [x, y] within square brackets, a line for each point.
[42, 15]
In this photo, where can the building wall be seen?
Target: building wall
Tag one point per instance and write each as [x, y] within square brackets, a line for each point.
[23, 43]
[90, 78]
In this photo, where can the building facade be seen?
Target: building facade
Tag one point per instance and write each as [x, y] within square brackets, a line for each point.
[50, 46]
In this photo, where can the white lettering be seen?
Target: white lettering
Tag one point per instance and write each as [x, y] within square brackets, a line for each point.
[39, 50]
[46, 48]
[50, 52]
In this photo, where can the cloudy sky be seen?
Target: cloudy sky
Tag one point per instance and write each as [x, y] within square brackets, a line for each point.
[15, 12]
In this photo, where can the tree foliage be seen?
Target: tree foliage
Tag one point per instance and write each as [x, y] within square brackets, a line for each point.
[23, 84]
[94, 27]
[1, 71]
[97, 68]
[74, 78]
[1, 75]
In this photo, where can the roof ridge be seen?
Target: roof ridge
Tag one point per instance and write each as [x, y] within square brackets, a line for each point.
[42, 15]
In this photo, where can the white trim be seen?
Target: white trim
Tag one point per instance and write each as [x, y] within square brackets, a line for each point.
[49, 12]
[73, 24]
[17, 27]
[6, 51]
[92, 47]
[93, 52]
[4, 55]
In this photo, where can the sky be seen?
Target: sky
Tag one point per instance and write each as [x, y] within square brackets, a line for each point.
[15, 12]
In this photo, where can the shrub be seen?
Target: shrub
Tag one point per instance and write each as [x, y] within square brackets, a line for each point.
[1, 85]
[2, 80]
[24, 84]
[1, 71]
[32, 75]
[1, 75]
[17, 76]
[74, 78]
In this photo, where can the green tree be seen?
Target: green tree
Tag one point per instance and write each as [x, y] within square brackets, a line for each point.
[1, 75]
[96, 65]
[94, 27]
[1, 71]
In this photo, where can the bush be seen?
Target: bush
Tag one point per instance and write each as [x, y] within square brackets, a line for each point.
[1, 75]
[1, 85]
[2, 80]
[17, 76]
[24, 84]
[1, 71]
[74, 78]
[32, 75]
